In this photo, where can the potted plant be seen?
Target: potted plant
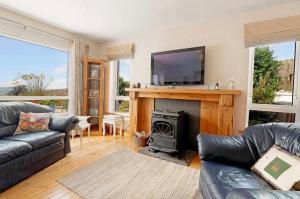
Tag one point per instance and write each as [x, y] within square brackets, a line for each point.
[141, 138]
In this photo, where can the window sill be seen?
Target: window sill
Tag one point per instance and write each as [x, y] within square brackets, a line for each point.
[125, 114]
[32, 98]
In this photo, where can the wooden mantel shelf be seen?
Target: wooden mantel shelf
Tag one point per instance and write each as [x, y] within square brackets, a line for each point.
[183, 94]
[186, 91]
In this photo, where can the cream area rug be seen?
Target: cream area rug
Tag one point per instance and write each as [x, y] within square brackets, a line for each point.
[129, 175]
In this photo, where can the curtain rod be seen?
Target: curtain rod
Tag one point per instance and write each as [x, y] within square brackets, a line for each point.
[37, 29]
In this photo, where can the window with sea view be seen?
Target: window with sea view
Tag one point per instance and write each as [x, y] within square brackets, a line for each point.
[33, 72]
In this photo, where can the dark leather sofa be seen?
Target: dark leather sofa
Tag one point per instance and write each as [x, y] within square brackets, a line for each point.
[25, 154]
[226, 161]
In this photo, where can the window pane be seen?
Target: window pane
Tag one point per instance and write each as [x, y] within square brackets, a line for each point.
[262, 117]
[122, 106]
[273, 75]
[32, 70]
[59, 106]
[123, 76]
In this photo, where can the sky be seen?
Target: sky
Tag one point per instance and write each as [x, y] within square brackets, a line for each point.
[283, 50]
[124, 68]
[22, 57]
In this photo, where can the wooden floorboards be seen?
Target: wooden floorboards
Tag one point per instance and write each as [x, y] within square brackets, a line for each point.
[44, 184]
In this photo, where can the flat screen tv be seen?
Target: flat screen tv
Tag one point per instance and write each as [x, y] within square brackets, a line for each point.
[178, 67]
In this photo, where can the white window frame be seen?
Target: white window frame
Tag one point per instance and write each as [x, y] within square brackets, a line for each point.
[47, 44]
[295, 108]
[114, 74]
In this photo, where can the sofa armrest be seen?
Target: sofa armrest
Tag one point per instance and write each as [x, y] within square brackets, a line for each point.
[261, 194]
[63, 123]
[225, 149]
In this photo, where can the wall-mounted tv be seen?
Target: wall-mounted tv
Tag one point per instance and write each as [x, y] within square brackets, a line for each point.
[178, 67]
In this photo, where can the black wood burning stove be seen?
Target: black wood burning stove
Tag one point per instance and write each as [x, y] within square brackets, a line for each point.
[167, 131]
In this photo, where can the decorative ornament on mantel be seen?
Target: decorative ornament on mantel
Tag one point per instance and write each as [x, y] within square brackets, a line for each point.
[231, 84]
[137, 85]
[217, 86]
[145, 85]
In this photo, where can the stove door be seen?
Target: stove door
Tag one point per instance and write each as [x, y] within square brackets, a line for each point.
[164, 129]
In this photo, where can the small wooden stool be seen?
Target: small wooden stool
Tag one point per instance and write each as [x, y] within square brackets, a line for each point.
[117, 121]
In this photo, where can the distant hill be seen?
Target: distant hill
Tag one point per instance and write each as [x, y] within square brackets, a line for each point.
[57, 92]
[4, 90]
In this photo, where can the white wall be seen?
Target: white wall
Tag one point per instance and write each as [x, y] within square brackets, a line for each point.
[226, 56]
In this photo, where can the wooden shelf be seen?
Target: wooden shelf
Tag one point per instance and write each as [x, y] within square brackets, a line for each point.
[93, 61]
[94, 78]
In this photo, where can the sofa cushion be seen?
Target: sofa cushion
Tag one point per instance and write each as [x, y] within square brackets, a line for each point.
[7, 130]
[10, 150]
[13, 171]
[38, 139]
[8, 168]
[218, 179]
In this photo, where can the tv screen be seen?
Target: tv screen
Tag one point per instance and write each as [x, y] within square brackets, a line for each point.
[178, 67]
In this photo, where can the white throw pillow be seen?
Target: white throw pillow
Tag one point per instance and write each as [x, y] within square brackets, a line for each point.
[278, 167]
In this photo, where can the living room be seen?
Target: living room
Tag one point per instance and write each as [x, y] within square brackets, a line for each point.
[150, 99]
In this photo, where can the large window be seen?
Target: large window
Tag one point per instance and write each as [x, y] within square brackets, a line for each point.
[32, 72]
[273, 83]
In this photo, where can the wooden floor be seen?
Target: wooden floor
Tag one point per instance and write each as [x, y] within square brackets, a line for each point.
[44, 185]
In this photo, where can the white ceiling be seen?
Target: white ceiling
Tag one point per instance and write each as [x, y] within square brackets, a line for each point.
[116, 19]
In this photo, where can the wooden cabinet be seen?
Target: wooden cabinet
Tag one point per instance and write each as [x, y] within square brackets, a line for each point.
[93, 90]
